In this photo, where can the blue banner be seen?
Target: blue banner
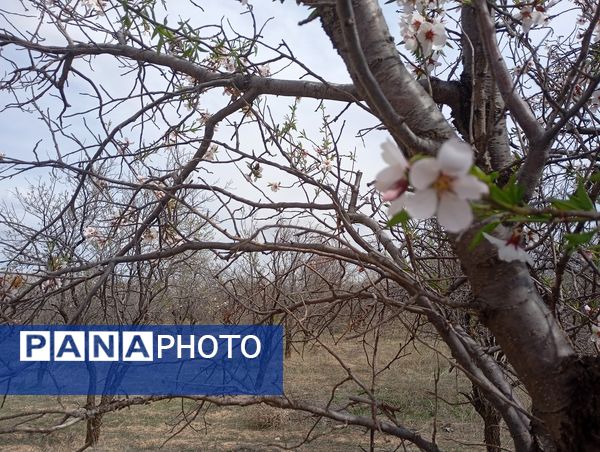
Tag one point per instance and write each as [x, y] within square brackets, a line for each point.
[141, 360]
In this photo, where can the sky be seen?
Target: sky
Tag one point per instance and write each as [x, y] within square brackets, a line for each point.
[21, 132]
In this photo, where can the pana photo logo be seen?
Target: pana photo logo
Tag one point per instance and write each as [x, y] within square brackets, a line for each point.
[141, 360]
[130, 345]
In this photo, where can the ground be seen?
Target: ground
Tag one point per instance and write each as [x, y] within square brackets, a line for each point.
[310, 374]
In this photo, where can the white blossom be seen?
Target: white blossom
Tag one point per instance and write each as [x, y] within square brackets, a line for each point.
[264, 70]
[90, 232]
[392, 181]
[443, 187]
[509, 250]
[411, 43]
[326, 165]
[211, 152]
[432, 63]
[96, 5]
[431, 36]
[274, 186]
[530, 17]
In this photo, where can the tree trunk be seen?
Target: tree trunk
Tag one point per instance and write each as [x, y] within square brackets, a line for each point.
[491, 419]
[93, 424]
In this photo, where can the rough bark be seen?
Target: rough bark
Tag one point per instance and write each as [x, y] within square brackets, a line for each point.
[485, 114]
[491, 419]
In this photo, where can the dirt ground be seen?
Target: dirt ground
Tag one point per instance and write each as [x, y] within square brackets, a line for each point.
[310, 375]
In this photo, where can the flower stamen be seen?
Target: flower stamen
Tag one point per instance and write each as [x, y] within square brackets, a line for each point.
[443, 183]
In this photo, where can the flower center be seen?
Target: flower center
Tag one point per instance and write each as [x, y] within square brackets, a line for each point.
[443, 183]
[515, 239]
[429, 35]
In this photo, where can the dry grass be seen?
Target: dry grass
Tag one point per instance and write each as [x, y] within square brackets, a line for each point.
[309, 376]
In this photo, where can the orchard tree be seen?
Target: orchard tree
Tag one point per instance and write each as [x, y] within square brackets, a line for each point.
[178, 136]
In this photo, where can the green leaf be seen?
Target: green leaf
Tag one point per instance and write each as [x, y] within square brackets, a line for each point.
[401, 217]
[582, 197]
[479, 235]
[499, 196]
[479, 174]
[509, 195]
[580, 200]
[563, 204]
[575, 240]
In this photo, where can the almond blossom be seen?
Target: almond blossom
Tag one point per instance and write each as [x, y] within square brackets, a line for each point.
[326, 165]
[444, 187]
[431, 36]
[392, 181]
[530, 17]
[264, 70]
[422, 32]
[274, 186]
[510, 250]
[90, 232]
[97, 5]
[211, 152]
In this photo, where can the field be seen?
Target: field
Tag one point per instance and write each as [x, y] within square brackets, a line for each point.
[409, 384]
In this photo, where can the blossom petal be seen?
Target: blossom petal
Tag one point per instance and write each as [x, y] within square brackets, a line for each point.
[423, 173]
[397, 205]
[511, 253]
[393, 193]
[469, 187]
[388, 177]
[455, 157]
[494, 240]
[454, 213]
[410, 43]
[439, 37]
[392, 155]
[421, 204]
[508, 252]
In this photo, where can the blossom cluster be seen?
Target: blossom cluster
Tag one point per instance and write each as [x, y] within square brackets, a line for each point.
[533, 13]
[94, 236]
[423, 30]
[443, 187]
[96, 5]
[585, 18]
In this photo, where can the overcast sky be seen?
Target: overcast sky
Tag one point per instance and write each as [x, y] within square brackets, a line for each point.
[21, 131]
